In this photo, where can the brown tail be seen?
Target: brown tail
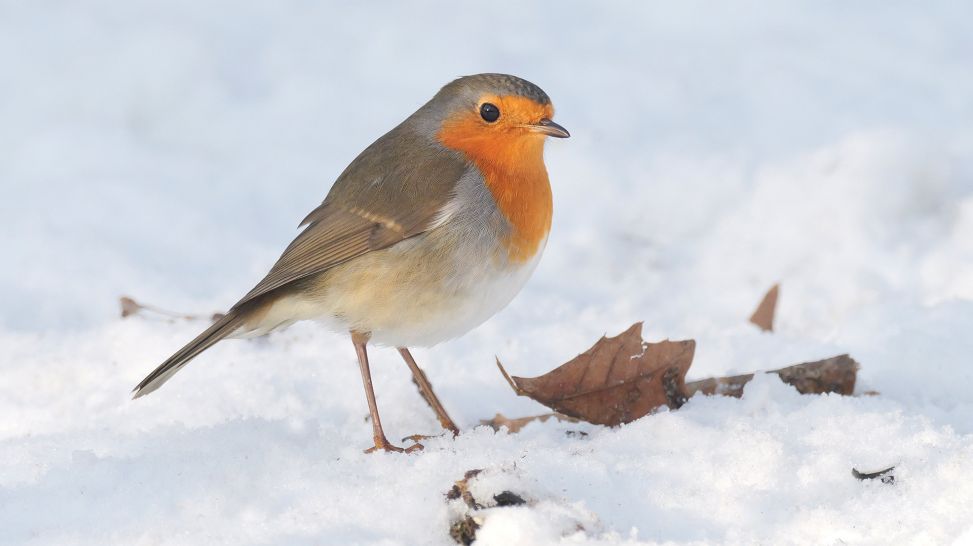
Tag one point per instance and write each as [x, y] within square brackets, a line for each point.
[219, 330]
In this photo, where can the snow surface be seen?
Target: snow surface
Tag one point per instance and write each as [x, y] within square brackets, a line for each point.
[167, 150]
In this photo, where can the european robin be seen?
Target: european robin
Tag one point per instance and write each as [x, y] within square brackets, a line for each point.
[426, 234]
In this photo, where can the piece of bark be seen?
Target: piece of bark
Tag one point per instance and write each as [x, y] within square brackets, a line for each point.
[831, 375]
[763, 316]
[885, 476]
[514, 425]
[618, 380]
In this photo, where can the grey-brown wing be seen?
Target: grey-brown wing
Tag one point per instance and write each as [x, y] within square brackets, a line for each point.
[392, 191]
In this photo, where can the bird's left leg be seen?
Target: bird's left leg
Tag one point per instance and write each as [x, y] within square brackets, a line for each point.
[378, 435]
[425, 389]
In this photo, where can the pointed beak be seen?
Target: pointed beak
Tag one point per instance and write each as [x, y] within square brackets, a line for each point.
[550, 128]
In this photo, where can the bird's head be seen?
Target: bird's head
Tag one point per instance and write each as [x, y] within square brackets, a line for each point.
[493, 117]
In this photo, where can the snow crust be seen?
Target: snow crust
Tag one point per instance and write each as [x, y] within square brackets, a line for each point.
[167, 150]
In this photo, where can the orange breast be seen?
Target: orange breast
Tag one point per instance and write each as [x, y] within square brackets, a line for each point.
[512, 164]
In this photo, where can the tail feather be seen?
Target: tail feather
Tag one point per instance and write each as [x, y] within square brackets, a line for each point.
[219, 330]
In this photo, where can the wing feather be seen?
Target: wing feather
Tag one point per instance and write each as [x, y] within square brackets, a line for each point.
[396, 189]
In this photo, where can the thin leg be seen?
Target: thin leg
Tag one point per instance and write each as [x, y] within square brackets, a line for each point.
[425, 389]
[381, 442]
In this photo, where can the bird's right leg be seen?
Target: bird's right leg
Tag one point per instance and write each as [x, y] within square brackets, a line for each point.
[381, 442]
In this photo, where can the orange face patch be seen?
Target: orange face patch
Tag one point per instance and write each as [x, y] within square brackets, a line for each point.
[511, 158]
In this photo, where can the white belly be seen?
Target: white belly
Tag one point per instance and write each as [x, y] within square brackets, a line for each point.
[420, 299]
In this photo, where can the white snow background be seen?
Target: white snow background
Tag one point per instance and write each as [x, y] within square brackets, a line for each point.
[167, 150]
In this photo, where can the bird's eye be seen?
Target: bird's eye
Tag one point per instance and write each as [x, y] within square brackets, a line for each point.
[489, 112]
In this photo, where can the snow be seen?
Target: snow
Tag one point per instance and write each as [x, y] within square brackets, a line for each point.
[167, 150]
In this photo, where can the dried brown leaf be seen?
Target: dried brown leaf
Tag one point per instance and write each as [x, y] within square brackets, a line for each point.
[618, 380]
[514, 425]
[836, 374]
[763, 317]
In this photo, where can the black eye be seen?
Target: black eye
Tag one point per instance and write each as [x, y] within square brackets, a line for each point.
[489, 112]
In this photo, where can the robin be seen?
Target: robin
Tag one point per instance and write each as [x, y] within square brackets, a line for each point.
[426, 234]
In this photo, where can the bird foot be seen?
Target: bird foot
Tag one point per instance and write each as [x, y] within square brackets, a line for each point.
[384, 445]
[448, 426]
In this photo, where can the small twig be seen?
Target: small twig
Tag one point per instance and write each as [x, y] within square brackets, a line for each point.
[131, 307]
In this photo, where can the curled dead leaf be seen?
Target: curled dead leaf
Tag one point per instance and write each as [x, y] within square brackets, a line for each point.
[831, 375]
[618, 380]
[763, 316]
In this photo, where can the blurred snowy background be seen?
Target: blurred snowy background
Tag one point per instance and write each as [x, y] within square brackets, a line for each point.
[167, 150]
